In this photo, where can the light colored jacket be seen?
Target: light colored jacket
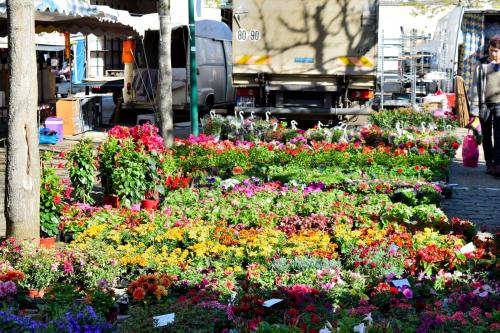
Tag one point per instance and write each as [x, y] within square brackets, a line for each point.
[478, 106]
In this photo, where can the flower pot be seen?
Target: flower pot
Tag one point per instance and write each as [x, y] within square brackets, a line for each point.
[149, 204]
[48, 242]
[112, 200]
[36, 293]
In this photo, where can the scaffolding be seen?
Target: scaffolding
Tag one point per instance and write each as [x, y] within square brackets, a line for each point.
[399, 62]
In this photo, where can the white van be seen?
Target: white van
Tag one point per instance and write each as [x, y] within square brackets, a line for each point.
[214, 69]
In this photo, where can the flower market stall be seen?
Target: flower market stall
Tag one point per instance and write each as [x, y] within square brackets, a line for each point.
[275, 230]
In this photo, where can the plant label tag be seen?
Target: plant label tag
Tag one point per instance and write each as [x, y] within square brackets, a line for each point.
[400, 283]
[360, 328]
[164, 320]
[467, 248]
[271, 302]
[393, 248]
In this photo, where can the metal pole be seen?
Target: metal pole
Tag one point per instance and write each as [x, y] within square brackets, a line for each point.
[381, 69]
[413, 63]
[193, 72]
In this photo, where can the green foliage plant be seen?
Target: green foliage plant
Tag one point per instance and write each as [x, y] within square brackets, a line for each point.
[128, 175]
[81, 167]
[51, 196]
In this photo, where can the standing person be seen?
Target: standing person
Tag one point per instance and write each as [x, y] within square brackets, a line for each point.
[485, 103]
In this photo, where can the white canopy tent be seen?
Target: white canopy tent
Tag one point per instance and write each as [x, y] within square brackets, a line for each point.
[74, 16]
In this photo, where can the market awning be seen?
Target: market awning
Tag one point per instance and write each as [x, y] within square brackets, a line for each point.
[73, 16]
[50, 48]
[44, 42]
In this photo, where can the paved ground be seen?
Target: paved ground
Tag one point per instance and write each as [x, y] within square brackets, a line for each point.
[476, 195]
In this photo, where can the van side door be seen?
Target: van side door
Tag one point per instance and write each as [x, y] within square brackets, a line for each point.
[211, 68]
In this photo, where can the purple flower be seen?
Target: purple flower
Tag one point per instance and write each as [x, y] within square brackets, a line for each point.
[408, 293]
[10, 287]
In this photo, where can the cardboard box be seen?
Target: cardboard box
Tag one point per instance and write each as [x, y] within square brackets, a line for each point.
[68, 109]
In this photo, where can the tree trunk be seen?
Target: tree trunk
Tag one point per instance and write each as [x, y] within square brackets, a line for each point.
[22, 190]
[165, 69]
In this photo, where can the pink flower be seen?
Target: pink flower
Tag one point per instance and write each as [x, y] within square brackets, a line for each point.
[68, 267]
[459, 316]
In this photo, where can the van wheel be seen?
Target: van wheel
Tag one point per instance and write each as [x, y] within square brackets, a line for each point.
[209, 105]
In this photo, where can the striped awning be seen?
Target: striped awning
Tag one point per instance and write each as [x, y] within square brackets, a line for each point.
[54, 10]
[74, 16]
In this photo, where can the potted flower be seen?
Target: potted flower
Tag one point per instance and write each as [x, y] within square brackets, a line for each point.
[128, 176]
[212, 125]
[130, 161]
[51, 200]
[36, 264]
[81, 169]
[152, 172]
[106, 161]
[151, 287]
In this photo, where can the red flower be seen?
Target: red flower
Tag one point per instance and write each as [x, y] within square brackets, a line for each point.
[417, 167]
[310, 308]
[293, 312]
[393, 290]
[315, 319]
[57, 199]
[139, 294]
[400, 171]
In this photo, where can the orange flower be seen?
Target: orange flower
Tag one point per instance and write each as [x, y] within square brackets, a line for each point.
[237, 170]
[160, 291]
[14, 276]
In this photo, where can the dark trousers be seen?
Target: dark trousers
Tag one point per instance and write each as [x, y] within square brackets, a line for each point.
[491, 130]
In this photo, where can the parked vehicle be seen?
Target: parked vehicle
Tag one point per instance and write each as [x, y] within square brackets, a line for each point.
[461, 40]
[310, 58]
[214, 68]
